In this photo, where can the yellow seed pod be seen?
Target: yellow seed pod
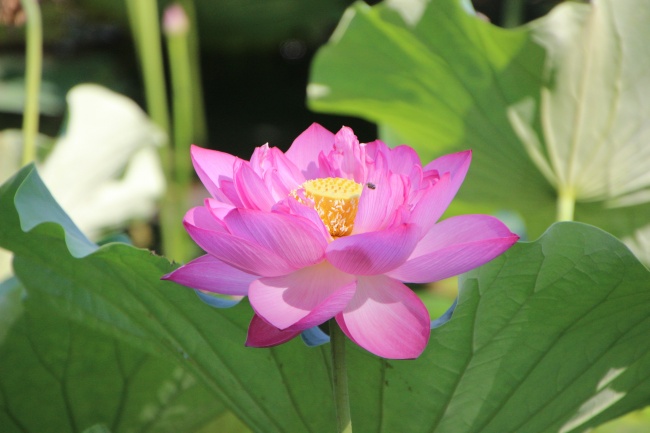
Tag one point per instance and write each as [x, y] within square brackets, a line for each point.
[336, 201]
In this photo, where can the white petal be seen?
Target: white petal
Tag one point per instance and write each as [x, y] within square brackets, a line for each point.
[104, 170]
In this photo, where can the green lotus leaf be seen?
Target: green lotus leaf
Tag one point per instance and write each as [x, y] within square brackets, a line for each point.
[553, 110]
[551, 336]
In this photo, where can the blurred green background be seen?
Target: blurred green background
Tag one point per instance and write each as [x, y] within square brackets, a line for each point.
[255, 58]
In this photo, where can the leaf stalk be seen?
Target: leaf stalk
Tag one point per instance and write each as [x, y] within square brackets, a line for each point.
[566, 202]
[33, 71]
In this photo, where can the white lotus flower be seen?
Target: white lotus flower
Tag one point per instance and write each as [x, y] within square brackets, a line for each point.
[105, 169]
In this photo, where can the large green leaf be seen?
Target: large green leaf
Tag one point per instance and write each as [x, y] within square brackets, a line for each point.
[551, 336]
[552, 107]
[117, 289]
[59, 375]
[436, 80]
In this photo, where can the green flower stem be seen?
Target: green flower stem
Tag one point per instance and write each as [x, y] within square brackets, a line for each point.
[200, 124]
[340, 379]
[513, 13]
[177, 30]
[143, 17]
[145, 26]
[34, 63]
[176, 243]
[566, 202]
[146, 32]
[183, 107]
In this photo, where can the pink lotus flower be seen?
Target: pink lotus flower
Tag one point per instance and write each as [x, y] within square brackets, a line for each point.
[333, 228]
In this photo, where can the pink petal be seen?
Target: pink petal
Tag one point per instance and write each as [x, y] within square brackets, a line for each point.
[217, 209]
[202, 217]
[432, 204]
[374, 252]
[306, 148]
[278, 161]
[305, 298]
[454, 246]
[403, 159]
[251, 189]
[261, 159]
[375, 198]
[261, 334]
[240, 253]
[386, 318]
[228, 193]
[309, 213]
[382, 196]
[348, 157]
[291, 237]
[280, 175]
[213, 275]
[212, 166]
[375, 147]
[456, 164]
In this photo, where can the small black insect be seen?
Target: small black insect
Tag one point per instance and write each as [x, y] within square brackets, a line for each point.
[371, 185]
